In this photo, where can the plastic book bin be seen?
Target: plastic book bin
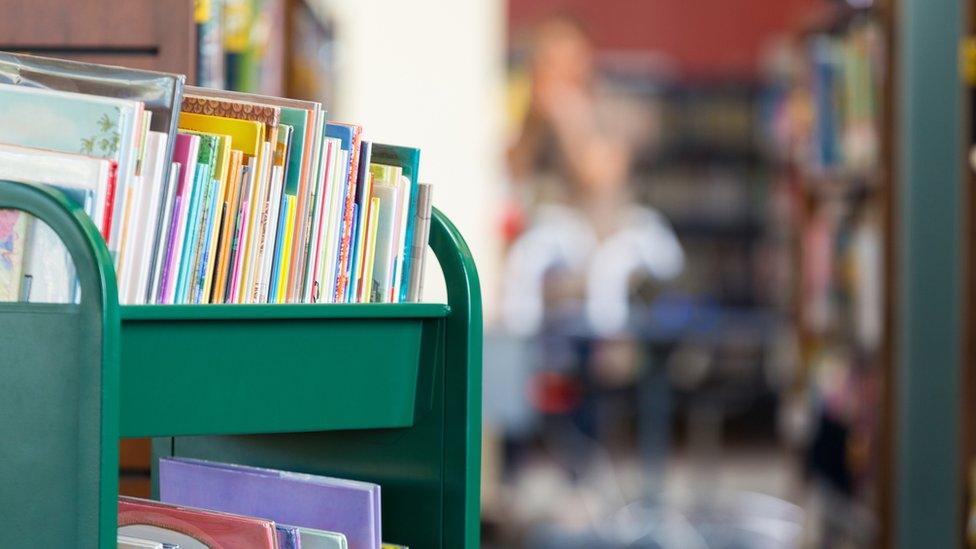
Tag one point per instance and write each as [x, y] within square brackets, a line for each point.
[385, 393]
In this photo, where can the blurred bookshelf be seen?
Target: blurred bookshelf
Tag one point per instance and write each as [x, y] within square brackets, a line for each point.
[828, 126]
[968, 69]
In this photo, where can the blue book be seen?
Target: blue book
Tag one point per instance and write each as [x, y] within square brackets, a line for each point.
[207, 246]
[353, 251]
[202, 190]
[190, 233]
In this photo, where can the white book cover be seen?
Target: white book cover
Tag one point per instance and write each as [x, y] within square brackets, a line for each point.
[317, 237]
[259, 198]
[332, 226]
[70, 122]
[162, 233]
[383, 262]
[403, 215]
[182, 214]
[144, 219]
[47, 267]
[126, 542]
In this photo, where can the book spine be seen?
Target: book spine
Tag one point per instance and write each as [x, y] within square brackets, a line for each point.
[421, 236]
[163, 233]
[166, 277]
[113, 181]
[343, 259]
[200, 289]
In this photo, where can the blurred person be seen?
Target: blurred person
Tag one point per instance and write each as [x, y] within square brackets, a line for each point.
[568, 151]
[571, 165]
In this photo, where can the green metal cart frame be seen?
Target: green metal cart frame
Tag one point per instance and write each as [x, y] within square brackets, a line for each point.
[387, 393]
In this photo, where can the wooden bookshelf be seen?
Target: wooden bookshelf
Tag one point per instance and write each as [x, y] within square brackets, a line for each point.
[144, 34]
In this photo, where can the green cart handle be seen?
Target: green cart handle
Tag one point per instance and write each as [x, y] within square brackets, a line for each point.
[94, 456]
[85, 409]
[462, 379]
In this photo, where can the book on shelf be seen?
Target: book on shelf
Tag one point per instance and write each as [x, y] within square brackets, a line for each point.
[206, 196]
[213, 504]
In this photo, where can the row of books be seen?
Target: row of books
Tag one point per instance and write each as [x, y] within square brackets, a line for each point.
[205, 196]
[204, 504]
[825, 113]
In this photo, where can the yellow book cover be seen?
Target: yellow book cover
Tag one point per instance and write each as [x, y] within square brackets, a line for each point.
[384, 173]
[365, 290]
[282, 281]
[357, 275]
[247, 135]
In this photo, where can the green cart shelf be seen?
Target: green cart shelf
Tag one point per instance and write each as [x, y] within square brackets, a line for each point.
[385, 393]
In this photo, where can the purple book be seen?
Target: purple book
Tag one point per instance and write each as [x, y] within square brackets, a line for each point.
[288, 537]
[310, 501]
[185, 153]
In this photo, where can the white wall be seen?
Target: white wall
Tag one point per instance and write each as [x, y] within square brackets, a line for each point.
[429, 73]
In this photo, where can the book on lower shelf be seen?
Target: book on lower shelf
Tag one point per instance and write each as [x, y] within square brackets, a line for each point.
[208, 196]
[206, 504]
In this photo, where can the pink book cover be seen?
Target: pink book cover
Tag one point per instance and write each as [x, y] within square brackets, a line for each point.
[340, 288]
[213, 529]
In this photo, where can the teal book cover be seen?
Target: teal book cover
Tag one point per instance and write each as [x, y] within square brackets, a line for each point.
[298, 120]
[408, 159]
[202, 188]
[62, 121]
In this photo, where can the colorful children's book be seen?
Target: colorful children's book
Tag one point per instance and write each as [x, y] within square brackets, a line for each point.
[249, 137]
[67, 170]
[44, 270]
[149, 195]
[324, 198]
[74, 123]
[320, 539]
[13, 244]
[278, 218]
[308, 119]
[408, 160]
[308, 501]
[271, 216]
[162, 234]
[160, 93]
[366, 287]
[288, 537]
[364, 191]
[186, 154]
[344, 235]
[228, 223]
[193, 528]
[384, 261]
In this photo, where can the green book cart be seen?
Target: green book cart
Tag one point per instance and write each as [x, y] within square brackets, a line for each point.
[383, 393]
